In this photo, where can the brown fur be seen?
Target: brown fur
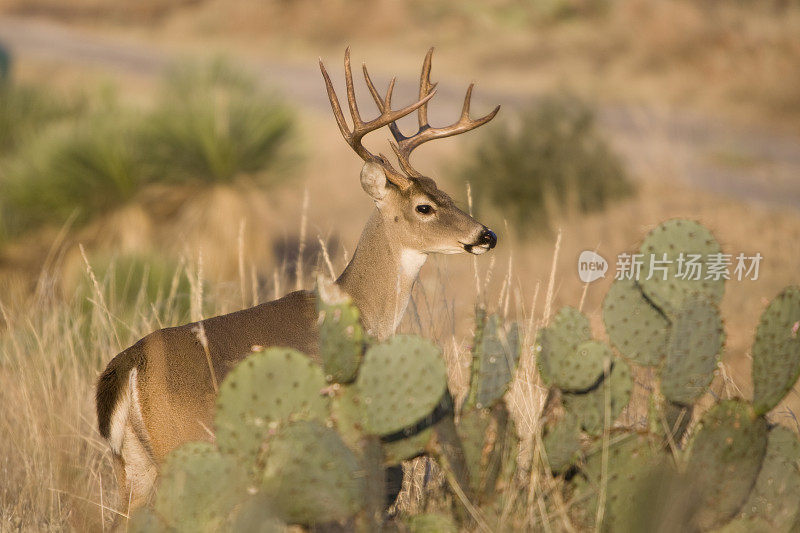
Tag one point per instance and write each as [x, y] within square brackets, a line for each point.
[175, 390]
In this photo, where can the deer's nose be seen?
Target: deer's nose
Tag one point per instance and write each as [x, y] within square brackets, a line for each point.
[487, 237]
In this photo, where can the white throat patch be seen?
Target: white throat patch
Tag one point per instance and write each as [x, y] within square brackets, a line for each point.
[411, 262]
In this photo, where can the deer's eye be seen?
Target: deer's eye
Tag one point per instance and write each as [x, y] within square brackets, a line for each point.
[425, 209]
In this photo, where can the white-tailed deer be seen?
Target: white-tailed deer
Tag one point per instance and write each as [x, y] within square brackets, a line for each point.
[160, 392]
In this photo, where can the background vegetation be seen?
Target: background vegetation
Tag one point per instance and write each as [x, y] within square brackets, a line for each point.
[189, 188]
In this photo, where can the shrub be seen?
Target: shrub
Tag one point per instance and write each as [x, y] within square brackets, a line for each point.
[82, 171]
[215, 124]
[552, 160]
[210, 125]
[24, 110]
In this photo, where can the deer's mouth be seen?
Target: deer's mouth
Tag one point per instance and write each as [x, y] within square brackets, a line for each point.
[486, 241]
[477, 249]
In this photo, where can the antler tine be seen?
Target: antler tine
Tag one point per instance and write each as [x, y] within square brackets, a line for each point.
[405, 145]
[426, 133]
[361, 128]
[337, 109]
[425, 87]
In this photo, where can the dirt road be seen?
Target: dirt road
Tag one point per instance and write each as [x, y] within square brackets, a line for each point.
[749, 164]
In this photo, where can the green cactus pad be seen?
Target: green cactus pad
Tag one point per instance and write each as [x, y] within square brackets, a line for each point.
[255, 515]
[267, 388]
[397, 451]
[562, 443]
[675, 237]
[341, 335]
[635, 326]
[776, 350]
[473, 427]
[431, 523]
[199, 487]
[725, 456]
[694, 346]
[751, 525]
[494, 362]
[775, 495]
[558, 343]
[400, 382]
[347, 413]
[144, 520]
[589, 407]
[633, 460]
[310, 475]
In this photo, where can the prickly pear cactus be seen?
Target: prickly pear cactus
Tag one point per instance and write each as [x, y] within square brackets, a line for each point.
[558, 360]
[268, 388]
[637, 328]
[400, 382]
[144, 520]
[341, 336]
[590, 407]
[199, 488]
[494, 361]
[673, 240]
[776, 350]
[775, 496]
[618, 468]
[431, 523]
[725, 456]
[256, 515]
[397, 451]
[310, 475]
[473, 426]
[694, 346]
[562, 443]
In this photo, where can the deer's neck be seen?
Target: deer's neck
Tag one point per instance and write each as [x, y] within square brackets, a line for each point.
[379, 278]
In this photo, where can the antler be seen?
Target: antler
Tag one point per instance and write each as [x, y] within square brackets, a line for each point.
[405, 145]
[361, 128]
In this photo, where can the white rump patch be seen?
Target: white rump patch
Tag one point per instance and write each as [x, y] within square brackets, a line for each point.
[119, 417]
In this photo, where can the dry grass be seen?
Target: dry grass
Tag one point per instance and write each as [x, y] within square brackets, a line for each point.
[54, 467]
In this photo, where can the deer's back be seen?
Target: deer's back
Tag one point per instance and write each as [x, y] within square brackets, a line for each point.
[175, 387]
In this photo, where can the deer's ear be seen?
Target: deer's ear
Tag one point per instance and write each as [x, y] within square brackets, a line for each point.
[373, 181]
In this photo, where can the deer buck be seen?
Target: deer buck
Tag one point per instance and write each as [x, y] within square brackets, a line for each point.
[160, 392]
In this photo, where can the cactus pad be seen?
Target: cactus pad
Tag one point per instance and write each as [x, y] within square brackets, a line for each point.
[347, 414]
[589, 407]
[562, 443]
[776, 350]
[199, 487]
[341, 335]
[310, 475]
[557, 345]
[397, 451]
[633, 460]
[473, 427]
[494, 362]
[635, 326]
[694, 346]
[725, 457]
[673, 238]
[255, 515]
[269, 387]
[774, 497]
[431, 523]
[144, 520]
[400, 382]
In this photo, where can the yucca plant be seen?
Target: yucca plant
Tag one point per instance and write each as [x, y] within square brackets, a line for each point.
[77, 171]
[26, 109]
[215, 124]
